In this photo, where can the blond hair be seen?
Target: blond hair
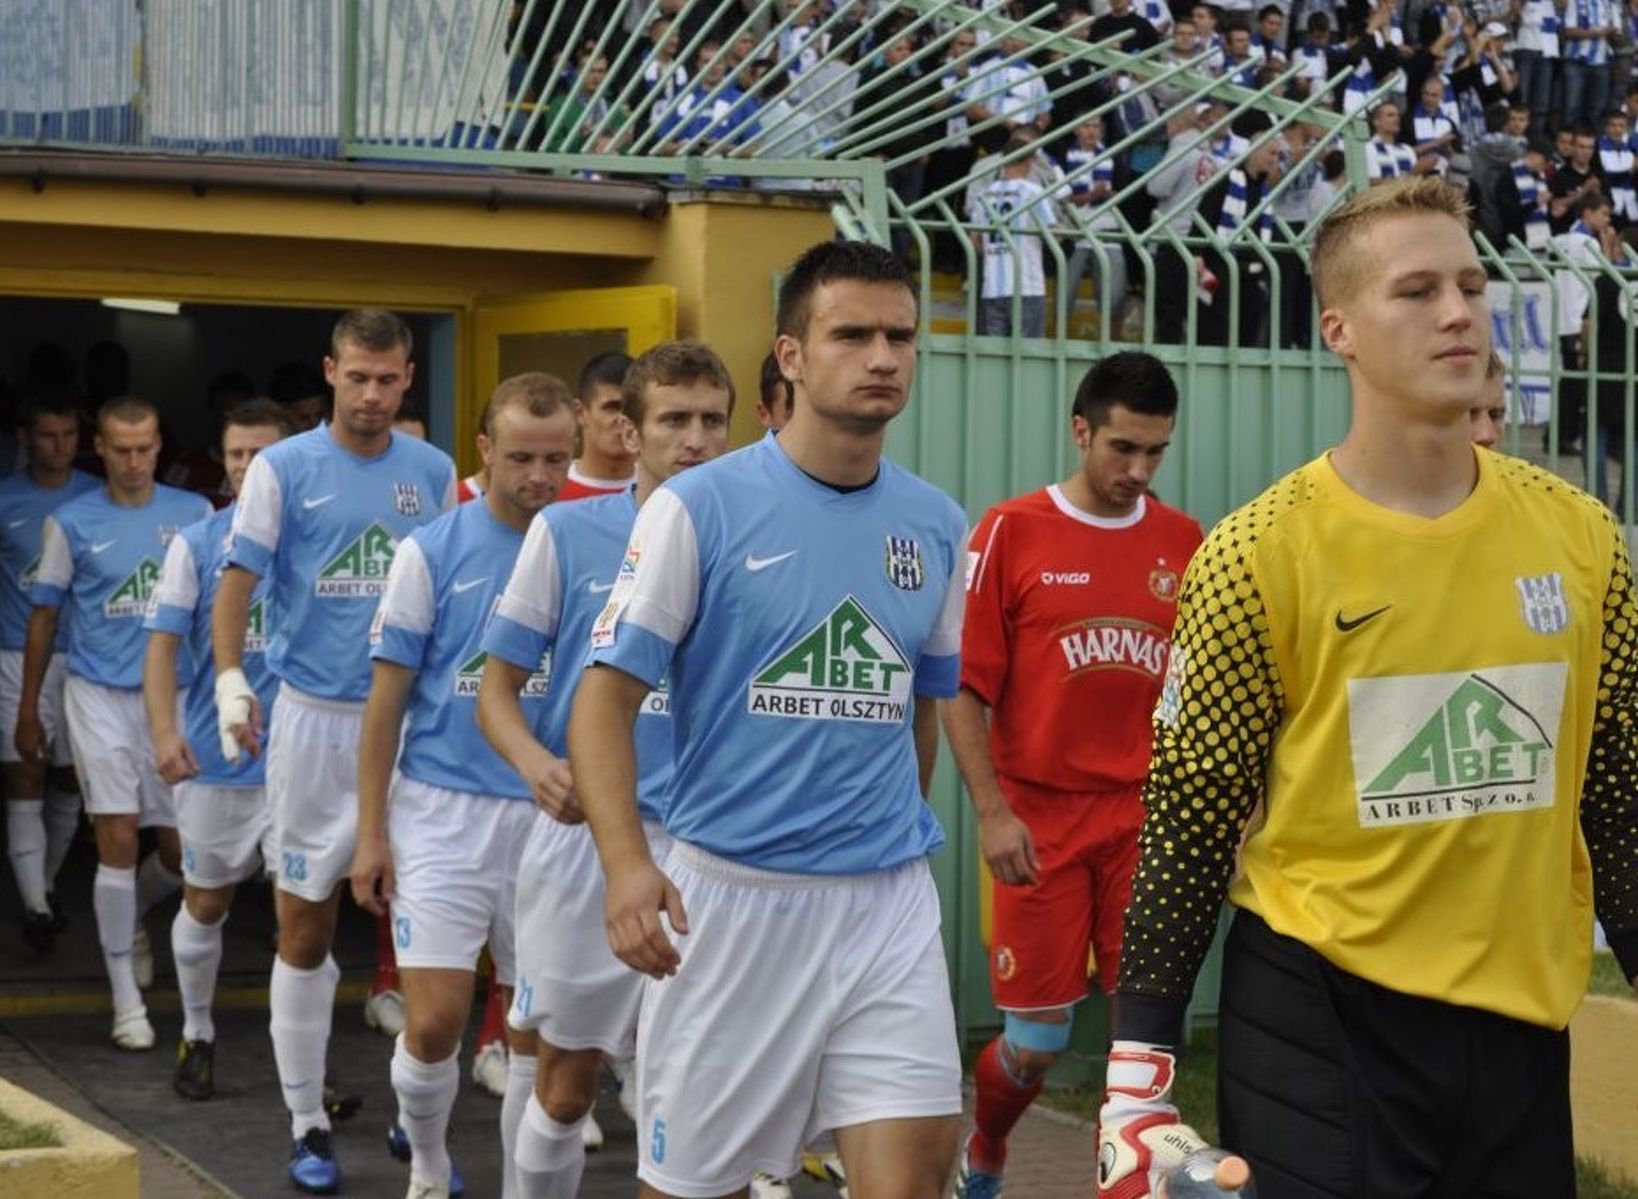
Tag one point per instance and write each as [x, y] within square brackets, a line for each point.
[1335, 265]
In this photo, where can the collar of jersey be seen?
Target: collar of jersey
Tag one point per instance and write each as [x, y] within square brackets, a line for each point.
[1455, 523]
[1056, 492]
[770, 444]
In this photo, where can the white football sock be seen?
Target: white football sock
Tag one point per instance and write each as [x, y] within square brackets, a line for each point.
[550, 1157]
[520, 1082]
[26, 847]
[197, 949]
[426, 1096]
[113, 898]
[300, 1003]
[62, 821]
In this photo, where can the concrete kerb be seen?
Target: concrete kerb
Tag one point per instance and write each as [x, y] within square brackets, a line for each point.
[88, 1163]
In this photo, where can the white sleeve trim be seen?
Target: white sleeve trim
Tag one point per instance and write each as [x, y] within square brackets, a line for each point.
[408, 602]
[56, 559]
[662, 591]
[534, 594]
[259, 514]
[178, 585]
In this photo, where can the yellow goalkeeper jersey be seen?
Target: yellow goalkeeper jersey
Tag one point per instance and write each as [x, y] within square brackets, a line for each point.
[1428, 725]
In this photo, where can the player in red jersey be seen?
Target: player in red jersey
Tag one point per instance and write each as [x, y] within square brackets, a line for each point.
[1071, 593]
[604, 466]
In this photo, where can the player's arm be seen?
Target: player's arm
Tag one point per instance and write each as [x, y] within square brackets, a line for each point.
[1219, 709]
[51, 583]
[399, 636]
[507, 729]
[172, 754]
[519, 635]
[372, 873]
[652, 607]
[1003, 839]
[1609, 805]
[257, 524]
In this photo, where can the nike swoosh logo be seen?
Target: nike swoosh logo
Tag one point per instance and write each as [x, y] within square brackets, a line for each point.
[99, 546]
[1348, 626]
[469, 584]
[16, 524]
[754, 564]
[599, 588]
[323, 499]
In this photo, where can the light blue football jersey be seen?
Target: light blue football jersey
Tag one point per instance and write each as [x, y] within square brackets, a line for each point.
[797, 625]
[323, 524]
[181, 604]
[562, 580]
[443, 586]
[100, 560]
[25, 505]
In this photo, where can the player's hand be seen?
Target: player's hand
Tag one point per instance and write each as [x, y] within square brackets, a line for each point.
[552, 785]
[1008, 849]
[372, 875]
[631, 914]
[30, 737]
[238, 715]
[1140, 1134]
[174, 759]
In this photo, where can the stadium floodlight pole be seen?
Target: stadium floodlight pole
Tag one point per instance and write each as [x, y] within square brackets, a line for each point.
[617, 70]
[890, 131]
[513, 130]
[650, 137]
[926, 52]
[559, 74]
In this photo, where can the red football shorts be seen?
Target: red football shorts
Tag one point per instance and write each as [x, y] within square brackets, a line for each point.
[1087, 846]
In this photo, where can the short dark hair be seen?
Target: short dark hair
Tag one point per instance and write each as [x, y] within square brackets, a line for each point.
[608, 367]
[46, 399]
[828, 262]
[670, 364]
[1539, 145]
[260, 412]
[1613, 114]
[1590, 202]
[536, 392]
[1582, 129]
[1496, 117]
[1132, 379]
[1269, 10]
[774, 389]
[128, 410]
[373, 329]
[1318, 21]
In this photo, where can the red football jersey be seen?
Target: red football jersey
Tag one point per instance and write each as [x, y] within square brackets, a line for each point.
[1067, 634]
[580, 487]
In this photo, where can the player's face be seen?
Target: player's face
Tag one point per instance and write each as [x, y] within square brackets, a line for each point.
[684, 424]
[53, 440]
[1120, 457]
[1489, 417]
[528, 457]
[777, 416]
[1416, 328]
[241, 443]
[855, 362]
[130, 452]
[369, 386]
[600, 421]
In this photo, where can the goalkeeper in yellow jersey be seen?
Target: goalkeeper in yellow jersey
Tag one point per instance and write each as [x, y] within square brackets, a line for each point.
[1405, 673]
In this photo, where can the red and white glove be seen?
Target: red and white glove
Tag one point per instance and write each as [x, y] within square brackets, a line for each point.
[1140, 1134]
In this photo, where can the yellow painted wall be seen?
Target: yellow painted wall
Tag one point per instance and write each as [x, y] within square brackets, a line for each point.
[88, 1164]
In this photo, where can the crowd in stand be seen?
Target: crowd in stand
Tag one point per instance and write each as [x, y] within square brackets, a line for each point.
[1530, 104]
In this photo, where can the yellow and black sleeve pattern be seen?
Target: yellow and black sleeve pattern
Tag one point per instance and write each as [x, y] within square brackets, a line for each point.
[1219, 710]
[1609, 801]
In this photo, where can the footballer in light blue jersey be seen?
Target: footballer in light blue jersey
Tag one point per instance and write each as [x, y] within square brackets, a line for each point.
[323, 524]
[445, 581]
[561, 582]
[181, 605]
[451, 833]
[796, 649]
[101, 560]
[26, 504]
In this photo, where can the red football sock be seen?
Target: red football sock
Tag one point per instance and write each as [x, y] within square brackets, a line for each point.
[386, 961]
[493, 1027]
[1001, 1100]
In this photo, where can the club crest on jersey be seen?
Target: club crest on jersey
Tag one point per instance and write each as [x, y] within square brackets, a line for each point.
[1542, 602]
[166, 532]
[903, 561]
[31, 572]
[131, 597]
[1163, 583]
[844, 668]
[406, 498]
[1006, 963]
